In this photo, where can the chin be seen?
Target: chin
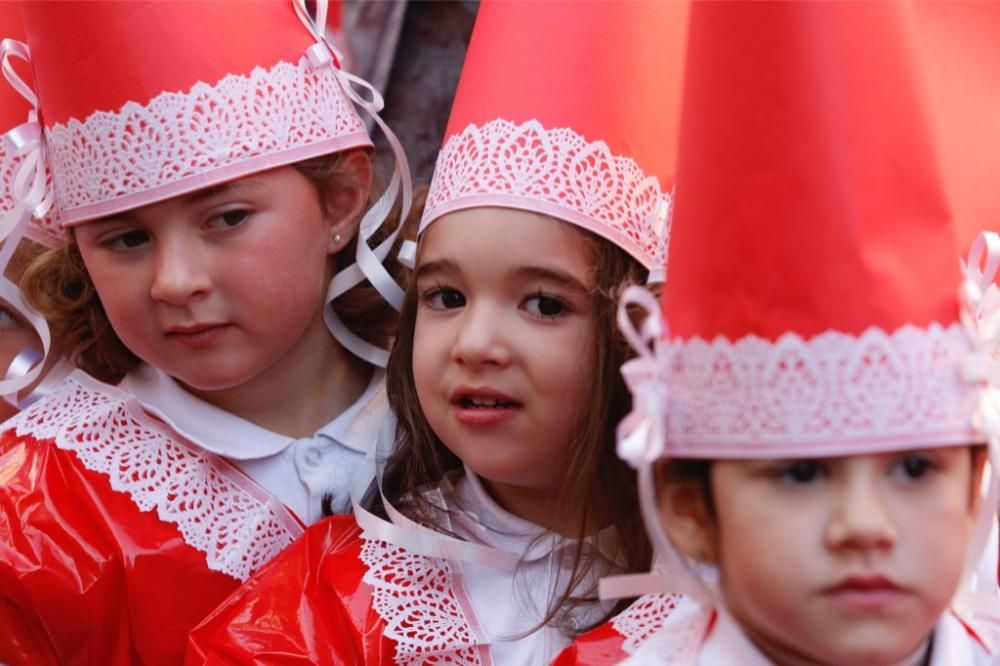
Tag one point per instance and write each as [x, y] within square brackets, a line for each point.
[214, 382]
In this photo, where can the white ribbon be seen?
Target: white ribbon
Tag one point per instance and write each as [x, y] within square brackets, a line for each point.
[368, 263]
[641, 434]
[641, 441]
[32, 196]
[405, 533]
[980, 299]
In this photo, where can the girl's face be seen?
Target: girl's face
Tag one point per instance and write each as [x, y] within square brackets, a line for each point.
[219, 287]
[504, 347]
[842, 560]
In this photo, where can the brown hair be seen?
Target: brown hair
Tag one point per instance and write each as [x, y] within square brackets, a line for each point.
[57, 285]
[594, 472]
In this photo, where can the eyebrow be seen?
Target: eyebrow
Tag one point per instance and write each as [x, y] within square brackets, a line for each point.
[555, 275]
[435, 267]
[562, 278]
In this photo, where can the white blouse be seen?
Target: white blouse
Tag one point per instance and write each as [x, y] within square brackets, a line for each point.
[486, 609]
[299, 472]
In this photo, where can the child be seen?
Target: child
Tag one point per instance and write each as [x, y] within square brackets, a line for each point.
[503, 375]
[815, 449]
[211, 179]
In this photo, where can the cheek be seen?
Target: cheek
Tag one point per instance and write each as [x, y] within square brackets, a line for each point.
[754, 571]
[430, 353]
[565, 363]
[936, 530]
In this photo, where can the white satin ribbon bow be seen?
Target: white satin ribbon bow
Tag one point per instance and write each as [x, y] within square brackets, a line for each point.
[368, 263]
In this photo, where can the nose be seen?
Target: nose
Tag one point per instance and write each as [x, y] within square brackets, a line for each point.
[481, 339]
[861, 520]
[180, 274]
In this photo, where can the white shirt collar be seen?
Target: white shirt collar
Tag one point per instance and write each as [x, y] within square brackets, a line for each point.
[483, 520]
[228, 435]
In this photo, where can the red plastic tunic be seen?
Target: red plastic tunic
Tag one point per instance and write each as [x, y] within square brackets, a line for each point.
[86, 575]
[309, 606]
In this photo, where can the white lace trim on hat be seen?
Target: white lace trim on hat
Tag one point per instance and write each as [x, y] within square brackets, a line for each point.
[555, 172]
[217, 510]
[827, 395]
[423, 607]
[183, 141]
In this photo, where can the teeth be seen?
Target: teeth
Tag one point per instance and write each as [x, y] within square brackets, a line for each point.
[484, 402]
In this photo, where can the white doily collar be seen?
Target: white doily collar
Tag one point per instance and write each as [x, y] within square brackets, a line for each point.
[217, 509]
[228, 435]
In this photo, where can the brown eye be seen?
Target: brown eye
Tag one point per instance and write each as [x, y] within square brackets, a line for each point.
[544, 306]
[444, 298]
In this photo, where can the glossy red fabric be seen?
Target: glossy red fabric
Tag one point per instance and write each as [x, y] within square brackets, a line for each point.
[598, 647]
[307, 606]
[85, 576]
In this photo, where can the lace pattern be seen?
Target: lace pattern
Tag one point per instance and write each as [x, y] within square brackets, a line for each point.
[179, 135]
[216, 511]
[416, 597]
[643, 618]
[677, 642]
[756, 397]
[553, 171]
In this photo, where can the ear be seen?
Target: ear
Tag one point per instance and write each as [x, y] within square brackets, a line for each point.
[686, 518]
[979, 456]
[347, 197]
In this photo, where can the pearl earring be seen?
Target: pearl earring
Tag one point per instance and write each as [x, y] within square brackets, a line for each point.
[336, 238]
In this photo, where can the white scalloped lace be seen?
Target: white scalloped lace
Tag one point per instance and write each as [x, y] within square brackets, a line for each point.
[643, 618]
[558, 167]
[755, 396]
[182, 134]
[415, 596]
[211, 505]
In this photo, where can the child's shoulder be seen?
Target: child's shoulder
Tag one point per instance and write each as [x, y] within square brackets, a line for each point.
[615, 640]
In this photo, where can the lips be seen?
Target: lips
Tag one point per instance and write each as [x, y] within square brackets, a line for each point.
[872, 592]
[482, 406]
[197, 335]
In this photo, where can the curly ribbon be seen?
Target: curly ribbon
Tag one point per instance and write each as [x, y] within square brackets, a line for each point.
[642, 433]
[980, 299]
[405, 533]
[368, 263]
[641, 442]
[32, 196]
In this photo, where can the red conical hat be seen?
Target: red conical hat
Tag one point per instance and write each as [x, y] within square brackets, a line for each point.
[143, 101]
[961, 58]
[570, 110]
[814, 273]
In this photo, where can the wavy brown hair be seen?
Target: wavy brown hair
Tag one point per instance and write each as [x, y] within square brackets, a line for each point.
[57, 285]
[597, 483]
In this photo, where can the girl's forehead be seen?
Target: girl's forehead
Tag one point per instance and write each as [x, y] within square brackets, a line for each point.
[501, 241]
[502, 229]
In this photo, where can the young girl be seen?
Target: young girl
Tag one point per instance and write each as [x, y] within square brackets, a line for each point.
[504, 501]
[816, 410]
[210, 178]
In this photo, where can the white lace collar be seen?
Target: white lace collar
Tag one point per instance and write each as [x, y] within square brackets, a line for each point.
[217, 510]
[228, 435]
